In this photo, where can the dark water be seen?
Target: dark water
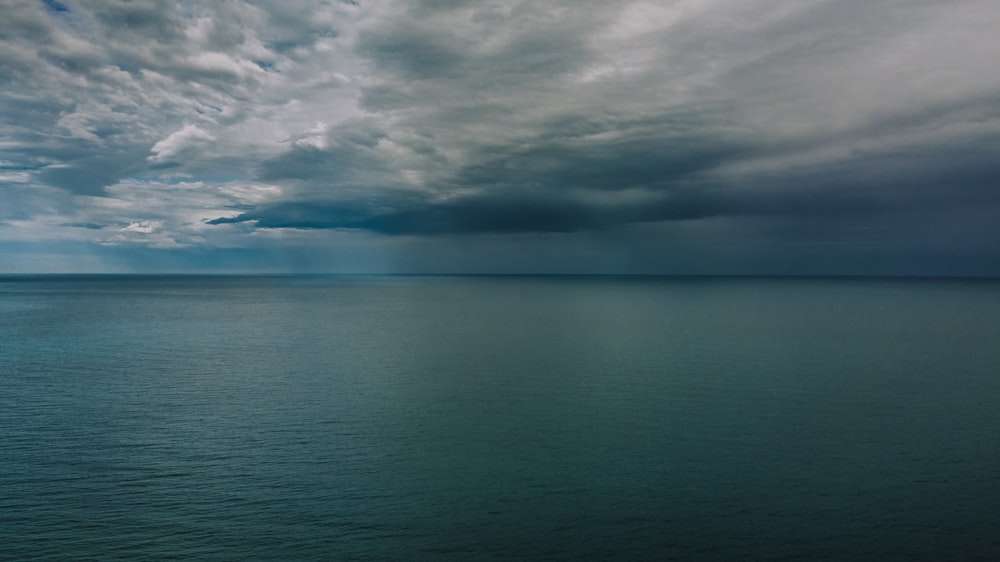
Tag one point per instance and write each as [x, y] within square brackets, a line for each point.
[524, 418]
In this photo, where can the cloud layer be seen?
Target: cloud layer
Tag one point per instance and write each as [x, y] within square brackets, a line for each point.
[684, 136]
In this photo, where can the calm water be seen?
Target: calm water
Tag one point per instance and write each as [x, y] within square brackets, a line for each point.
[468, 418]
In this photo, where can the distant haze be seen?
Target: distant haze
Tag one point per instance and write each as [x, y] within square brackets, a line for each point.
[688, 136]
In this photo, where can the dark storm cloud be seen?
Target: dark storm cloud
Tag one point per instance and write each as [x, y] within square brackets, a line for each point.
[754, 125]
[669, 168]
[880, 187]
[512, 210]
[414, 214]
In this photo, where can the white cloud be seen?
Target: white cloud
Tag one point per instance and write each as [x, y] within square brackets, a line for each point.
[188, 137]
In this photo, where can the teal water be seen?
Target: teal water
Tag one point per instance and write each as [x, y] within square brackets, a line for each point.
[498, 417]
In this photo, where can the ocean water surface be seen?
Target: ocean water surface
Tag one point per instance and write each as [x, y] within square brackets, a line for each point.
[313, 418]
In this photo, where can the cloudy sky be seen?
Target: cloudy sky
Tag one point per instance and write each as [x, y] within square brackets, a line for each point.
[672, 136]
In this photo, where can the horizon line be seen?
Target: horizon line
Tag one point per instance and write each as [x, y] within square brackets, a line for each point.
[857, 276]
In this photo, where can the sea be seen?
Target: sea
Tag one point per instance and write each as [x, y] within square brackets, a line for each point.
[499, 417]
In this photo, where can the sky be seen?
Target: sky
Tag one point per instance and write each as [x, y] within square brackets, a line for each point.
[661, 137]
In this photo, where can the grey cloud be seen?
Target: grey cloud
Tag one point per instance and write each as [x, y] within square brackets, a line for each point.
[23, 20]
[149, 19]
[90, 175]
[636, 159]
[294, 24]
[827, 123]
[482, 46]
[414, 53]
[86, 225]
[312, 164]
[97, 84]
[345, 153]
